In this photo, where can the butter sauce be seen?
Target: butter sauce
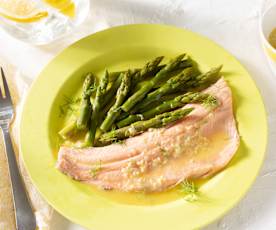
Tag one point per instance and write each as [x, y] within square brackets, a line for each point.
[210, 147]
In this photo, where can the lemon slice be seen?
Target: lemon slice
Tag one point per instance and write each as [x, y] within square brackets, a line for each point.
[66, 7]
[21, 10]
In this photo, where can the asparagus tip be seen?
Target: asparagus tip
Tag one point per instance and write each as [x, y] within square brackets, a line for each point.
[219, 68]
[159, 59]
[181, 56]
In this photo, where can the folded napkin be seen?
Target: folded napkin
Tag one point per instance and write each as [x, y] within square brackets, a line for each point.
[18, 86]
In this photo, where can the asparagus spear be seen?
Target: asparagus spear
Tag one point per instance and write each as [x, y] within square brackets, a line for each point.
[100, 93]
[138, 74]
[182, 65]
[149, 67]
[168, 105]
[114, 75]
[170, 86]
[182, 82]
[68, 130]
[124, 115]
[140, 94]
[111, 92]
[114, 111]
[85, 108]
[142, 126]
[105, 109]
[204, 80]
[159, 102]
[81, 121]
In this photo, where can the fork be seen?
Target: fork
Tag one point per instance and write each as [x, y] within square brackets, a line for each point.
[24, 216]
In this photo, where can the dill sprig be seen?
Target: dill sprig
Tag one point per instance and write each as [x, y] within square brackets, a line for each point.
[190, 190]
[69, 105]
[94, 171]
[210, 102]
[164, 152]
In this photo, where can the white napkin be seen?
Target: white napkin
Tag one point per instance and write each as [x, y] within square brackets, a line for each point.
[18, 85]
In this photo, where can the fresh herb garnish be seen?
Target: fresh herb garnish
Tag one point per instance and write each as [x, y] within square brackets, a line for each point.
[164, 152]
[94, 171]
[69, 106]
[190, 190]
[210, 102]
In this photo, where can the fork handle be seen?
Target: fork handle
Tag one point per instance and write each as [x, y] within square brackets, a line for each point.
[24, 216]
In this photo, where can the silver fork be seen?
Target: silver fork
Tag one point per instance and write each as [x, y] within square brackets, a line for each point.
[24, 216]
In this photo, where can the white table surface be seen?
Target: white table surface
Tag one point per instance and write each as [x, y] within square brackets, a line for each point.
[232, 24]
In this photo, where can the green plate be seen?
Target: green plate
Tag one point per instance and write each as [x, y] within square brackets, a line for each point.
[120, 48]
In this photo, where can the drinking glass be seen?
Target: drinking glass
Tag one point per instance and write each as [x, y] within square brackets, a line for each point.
[42, 21]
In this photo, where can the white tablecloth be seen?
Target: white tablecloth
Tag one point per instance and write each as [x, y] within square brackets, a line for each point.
[232, 24]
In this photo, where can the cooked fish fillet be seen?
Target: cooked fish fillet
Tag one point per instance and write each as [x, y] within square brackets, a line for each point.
[197, 146]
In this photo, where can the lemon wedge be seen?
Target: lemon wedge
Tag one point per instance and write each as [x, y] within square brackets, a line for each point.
[66, 7]
[21, 10]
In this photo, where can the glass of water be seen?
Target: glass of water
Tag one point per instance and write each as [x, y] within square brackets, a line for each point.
[42, 21]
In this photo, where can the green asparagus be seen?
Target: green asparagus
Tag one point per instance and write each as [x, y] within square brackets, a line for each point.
[124, 115]
[85, 107]
[148, 68]
[80, 122]
[68, 130]
[114, 111]
[100, 93]
[142, 126]
[188, 62]
[204, 80]
[170, 86]
[140, 94]
[182, 65]
[114, 75]
[105, 109]
[169, 105]
[111, 92]
[159, 102]
[184, 84]
[157, 95]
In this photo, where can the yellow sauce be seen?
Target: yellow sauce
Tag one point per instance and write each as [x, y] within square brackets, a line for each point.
[217, 142]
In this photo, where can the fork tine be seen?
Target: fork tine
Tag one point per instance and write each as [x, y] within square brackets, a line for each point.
[6, 92]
